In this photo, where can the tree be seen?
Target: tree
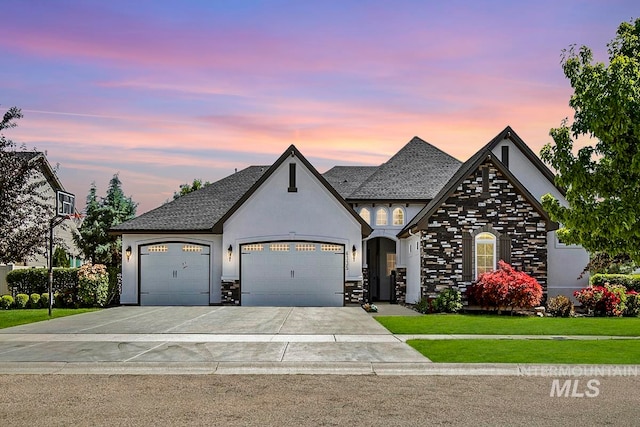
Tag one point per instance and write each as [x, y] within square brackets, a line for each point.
[186, 188]
[101, 215]
[24, 220]
[602, 180]
[60, 258]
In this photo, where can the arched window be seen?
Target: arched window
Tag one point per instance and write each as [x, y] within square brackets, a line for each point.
[398, 216]
[366, 215]
[485, 253]
[381, 217]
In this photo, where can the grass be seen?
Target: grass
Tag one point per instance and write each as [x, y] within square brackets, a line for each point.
[10, 318]
[530, 351]
[507, 325]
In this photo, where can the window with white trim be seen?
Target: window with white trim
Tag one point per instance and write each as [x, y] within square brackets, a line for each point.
[485, 253]
[382, 217]
[398, 216]
[366, 215]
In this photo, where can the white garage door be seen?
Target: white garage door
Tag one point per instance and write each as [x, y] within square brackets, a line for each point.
[292, 274]
[174, 274]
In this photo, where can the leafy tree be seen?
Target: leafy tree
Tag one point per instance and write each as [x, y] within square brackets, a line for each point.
[25, 212]
[602, 180]
[101, 215]
[186, 188]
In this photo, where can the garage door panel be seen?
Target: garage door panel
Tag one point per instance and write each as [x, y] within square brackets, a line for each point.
[174, 274]
[292, 274]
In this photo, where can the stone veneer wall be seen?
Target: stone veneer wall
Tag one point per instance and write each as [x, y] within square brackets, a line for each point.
[353, 293]
[401, 285]
[365, 284]
[467, 210]
[230, 294]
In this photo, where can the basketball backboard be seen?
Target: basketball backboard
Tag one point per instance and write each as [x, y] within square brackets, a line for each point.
[65, 203]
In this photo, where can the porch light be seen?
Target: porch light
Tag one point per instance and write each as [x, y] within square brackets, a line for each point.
[354, 252]
[230, 251]
[127, 252]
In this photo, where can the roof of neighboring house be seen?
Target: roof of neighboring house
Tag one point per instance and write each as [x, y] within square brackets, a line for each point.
[37, 157]
[416, 172]
[199, 210]
[346, 179]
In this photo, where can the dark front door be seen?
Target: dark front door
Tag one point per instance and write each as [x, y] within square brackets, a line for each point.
[381, 260]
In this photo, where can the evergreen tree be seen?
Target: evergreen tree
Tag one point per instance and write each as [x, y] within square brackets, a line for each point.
[101, 215]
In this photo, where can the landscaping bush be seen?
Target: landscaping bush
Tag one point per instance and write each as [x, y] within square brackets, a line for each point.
[602, 300]
[115, 283]
[93, 285]
[423, 306]
[560, 306]
[36, 280]
[629, 281]
[633, 304]
[22, 300]
[34, 301]
[506, 288]
[448, 301]
[6, 302]
[44, 300]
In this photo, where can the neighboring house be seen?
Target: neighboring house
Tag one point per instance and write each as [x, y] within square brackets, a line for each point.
[286, 235]
[62, 233]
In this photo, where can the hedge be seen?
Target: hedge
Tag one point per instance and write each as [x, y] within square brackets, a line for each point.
[36, 280]
[629, 281]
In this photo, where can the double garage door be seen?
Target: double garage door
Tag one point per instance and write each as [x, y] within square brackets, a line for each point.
[174, 274]
[292, 274]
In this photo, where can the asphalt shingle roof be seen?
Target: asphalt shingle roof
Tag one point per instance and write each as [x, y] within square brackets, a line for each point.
[417, 172]
[200, 210]
[346, 179]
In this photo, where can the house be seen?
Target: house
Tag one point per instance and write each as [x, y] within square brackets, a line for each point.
[286, 235]
[63, 234]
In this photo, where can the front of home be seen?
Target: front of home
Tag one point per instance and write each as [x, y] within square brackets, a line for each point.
[285, 235]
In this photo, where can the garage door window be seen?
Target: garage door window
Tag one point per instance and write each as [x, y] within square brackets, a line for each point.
[330, 248]
[253, 248]
[191, 248]
[158, 248]
[305, 247]
[279, 247]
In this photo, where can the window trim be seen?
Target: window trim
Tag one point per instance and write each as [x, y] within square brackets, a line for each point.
[292, 178]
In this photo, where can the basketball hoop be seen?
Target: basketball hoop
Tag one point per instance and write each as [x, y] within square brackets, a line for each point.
[74, 216]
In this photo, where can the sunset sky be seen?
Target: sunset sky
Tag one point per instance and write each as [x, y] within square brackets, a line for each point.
[165, 91]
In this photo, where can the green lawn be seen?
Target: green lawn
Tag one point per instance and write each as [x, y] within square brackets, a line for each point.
[530, 351]
[20, 317]
[507, 325]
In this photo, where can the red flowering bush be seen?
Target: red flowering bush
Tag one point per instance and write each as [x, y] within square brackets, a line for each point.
[506, 288]
[607, 300]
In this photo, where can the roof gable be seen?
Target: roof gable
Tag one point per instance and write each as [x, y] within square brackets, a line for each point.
[293, 152]
[416, 172]
[466, 170]
[346, 179]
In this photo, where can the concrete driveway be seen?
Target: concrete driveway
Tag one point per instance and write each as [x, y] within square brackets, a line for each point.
[217, 339]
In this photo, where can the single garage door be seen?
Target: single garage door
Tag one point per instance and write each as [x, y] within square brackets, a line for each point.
[292, 274]
[174, 274]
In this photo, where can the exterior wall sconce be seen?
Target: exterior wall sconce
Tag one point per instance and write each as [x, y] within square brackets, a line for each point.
[354, 252]
[127, 252]
[230, 252]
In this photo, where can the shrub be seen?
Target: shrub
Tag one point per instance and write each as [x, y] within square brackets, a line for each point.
[448, 301]
[93, 285]
[560, 306]
[44, 300]
[423, 306]
[36, 280]
[6, 302]
[34, 301]
[629, 281]
[22, 300]
[506, 288]
[633, 304]
[601, 300]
